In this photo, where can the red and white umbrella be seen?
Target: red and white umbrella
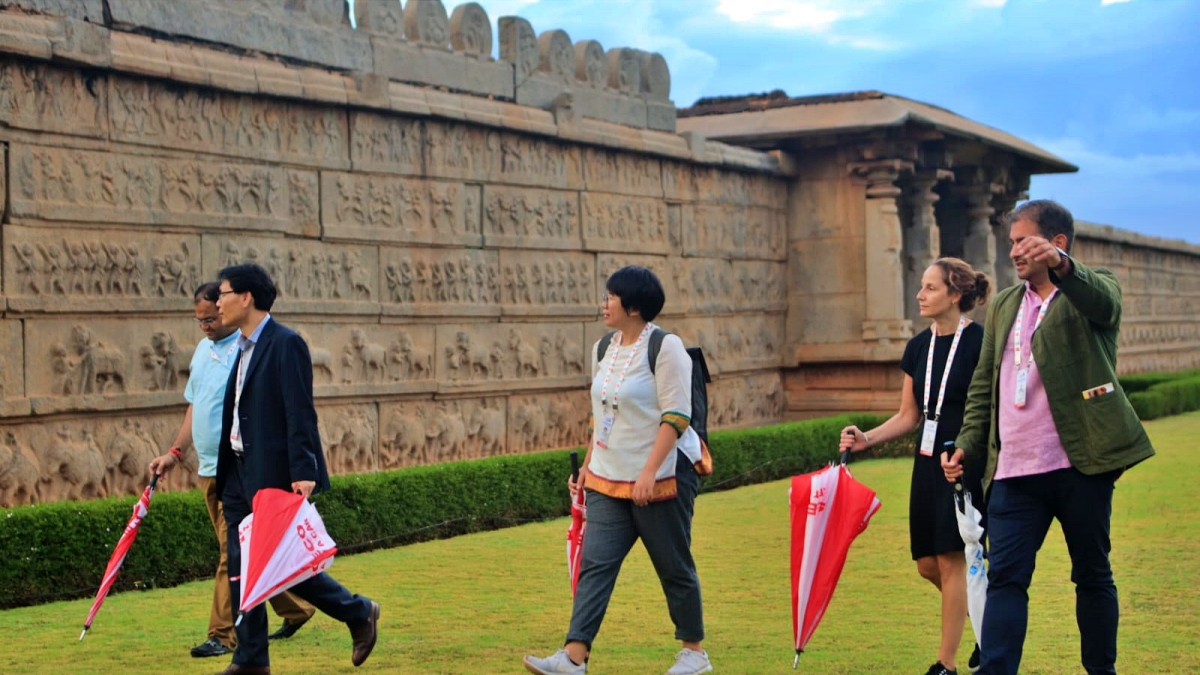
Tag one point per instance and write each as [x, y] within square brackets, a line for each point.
[140, 509]
[828, 510]
[283, 543]
[576, 531]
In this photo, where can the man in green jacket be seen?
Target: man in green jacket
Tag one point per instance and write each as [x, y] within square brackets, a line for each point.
[1046, 413]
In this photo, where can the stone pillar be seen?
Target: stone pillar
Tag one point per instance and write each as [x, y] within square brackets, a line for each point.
[885, 327]
[979, 246]
[1017, 189]
[922, 238]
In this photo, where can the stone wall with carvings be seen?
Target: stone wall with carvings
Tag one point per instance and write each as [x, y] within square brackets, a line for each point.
[442, 253]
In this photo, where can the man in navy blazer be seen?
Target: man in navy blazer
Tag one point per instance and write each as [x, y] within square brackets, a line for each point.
[269, 439]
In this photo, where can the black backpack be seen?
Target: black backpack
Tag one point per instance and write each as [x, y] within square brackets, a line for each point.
[700, 377]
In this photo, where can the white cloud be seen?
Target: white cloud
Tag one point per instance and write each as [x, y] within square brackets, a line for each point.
[993, 3]
[817, 16]
[1114, 2]
[1099, 163]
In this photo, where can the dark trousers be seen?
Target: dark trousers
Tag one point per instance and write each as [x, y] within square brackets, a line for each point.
[321, 591]
[1019, 515]
[665, 528]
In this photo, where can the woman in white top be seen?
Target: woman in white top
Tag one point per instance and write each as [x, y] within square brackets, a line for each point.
[638, 483]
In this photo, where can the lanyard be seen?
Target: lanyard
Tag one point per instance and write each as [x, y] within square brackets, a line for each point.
[1020, 324]
[962, 323]
[616, 344]
[243, 362]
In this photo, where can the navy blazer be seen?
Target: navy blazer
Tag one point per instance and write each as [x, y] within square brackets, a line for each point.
[278, 421]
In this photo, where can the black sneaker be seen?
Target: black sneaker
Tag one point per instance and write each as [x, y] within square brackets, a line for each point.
[287, 630]
[210, 647]
[973, 663]
[939, 669]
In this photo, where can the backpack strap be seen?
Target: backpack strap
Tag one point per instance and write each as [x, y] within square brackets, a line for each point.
[602, 347]
[652, 349]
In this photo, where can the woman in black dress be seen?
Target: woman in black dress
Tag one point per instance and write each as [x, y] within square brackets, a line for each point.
[949, 288]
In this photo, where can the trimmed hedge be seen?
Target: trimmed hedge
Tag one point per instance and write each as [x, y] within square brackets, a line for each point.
[1133, 384]
[1170, 397]
[58, 551]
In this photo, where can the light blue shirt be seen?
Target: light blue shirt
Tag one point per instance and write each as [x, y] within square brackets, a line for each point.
[207, 378]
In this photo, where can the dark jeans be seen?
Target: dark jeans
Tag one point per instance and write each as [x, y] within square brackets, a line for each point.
[321, 591]
[665, 528]
[1019, 515]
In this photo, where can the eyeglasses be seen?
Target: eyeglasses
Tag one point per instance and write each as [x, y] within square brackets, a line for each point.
[207, 321]
[220, 293]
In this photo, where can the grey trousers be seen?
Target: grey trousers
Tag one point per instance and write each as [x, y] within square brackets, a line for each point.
[665, 528]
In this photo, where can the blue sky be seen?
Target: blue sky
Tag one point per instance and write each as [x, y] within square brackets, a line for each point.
[1110, 86]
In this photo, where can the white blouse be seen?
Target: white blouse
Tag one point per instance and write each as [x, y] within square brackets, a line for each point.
[643, 400]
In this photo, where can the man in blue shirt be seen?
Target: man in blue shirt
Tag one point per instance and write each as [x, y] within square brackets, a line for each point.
[212, 362]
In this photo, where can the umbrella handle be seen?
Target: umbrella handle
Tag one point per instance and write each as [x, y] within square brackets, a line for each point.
[574, 466]
[844, 459]
[153, 482]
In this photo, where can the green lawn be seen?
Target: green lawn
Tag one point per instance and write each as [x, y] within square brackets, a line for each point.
[476, 604]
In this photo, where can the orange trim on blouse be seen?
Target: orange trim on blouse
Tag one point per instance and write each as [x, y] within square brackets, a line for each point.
[663, 489]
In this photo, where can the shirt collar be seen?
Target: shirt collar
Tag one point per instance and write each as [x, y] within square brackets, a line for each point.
[248, 342]
[227, 339]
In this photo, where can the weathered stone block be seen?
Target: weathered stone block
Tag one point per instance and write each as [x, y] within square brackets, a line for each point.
[385, 143]
[440, 282]
[349, 436]
[534, 284]
[603, 104]
[660, 116]
[149, 113]
[518, 46]
[621, 172]
[548, 421]
[731, 344]
[427, 65]
[12, 373]
[427, 432]
[88, 271]
[375, 208]
[368, 359]
[591, 67]
[41, 97]
[85, 186]
[735, 232]
[525, 217]
[380, 16]
[745, 401]
[616, 223]
[510, 356]
[312, 277]
[90, 10]
[471, 153]
[666, 269]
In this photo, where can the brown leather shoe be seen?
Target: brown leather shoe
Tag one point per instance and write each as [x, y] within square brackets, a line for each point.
[364, 635]
[235, 669]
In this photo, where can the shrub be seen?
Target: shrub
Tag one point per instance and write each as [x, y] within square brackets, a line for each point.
[1170, 397]
[1139, 382]
[57, 551]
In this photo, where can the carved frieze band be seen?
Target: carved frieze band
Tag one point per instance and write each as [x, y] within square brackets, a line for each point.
[619, 223]
[510, 356]
[746, 400]
[471, 153]
[440, 282]
[729, 231]
[533, 283]
[734, 343]
[530, 218]
[44, 98]
[369, 359]
[375, 208]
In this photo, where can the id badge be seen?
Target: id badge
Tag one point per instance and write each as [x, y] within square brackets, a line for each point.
[928, 436]
[605, 430]
[1022, 382]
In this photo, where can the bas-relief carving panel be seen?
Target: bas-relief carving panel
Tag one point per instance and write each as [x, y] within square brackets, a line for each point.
[721, 186]
[619, 223]
[390, 144]
[375, 208]
[107, 364]
[311, 276]
[149, 113]
[369, 359]
[709, 286]
[510, 356]
[463, 152]
[548, 421]
[84, 186]
[85, 458]
[349, 437]
[440, 282]
[746, 400]
[730, 231]
[12, 372]
[663, 268]
[530, 218]
[86, 270]
[623, 173]
[44, 98]
[533, 283]
[734, 342]
[426, 432]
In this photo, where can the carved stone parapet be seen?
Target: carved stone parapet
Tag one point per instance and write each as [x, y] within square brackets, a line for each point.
[534, 284]
[90, 10]
[556, 58]
[312, 277]
[384, 17]
[369, 360]
[519, 46]
[107, 364]
[548, 421]
[484, 357]
[374, 208]
[625, 70]
[591, 65]
[414, 433]
[441, 282]
[617, 223]
[42, 97]
[148, 113]
[433, 66]
[88, 271]
[525, 217]
[656, 77]
[85, 186]
[425, 22]
[471, 30]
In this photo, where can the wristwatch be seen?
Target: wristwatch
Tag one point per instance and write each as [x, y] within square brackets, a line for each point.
[1064, 258]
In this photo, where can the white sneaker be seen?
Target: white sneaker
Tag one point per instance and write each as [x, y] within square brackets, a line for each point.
[690, 662]
[557, 663]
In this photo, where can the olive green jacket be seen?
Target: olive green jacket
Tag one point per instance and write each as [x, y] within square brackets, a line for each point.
[1075, 349]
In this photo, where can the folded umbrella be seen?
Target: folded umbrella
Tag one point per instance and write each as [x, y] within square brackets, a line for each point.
[578, 526]
[970, 528]
[140, 509]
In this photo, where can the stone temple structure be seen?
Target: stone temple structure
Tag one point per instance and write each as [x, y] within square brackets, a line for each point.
[441, 223]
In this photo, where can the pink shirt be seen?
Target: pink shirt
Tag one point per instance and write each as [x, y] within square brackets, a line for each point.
[1029, 442]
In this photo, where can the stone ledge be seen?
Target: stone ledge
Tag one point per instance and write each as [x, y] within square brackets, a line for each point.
[1109, 233]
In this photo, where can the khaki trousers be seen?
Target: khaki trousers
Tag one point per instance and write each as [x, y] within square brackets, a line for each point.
[220, 622]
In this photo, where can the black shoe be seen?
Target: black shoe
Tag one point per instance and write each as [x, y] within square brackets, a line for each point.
[210, 647]
[973, 663]
[939, 669]
[287, 630]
